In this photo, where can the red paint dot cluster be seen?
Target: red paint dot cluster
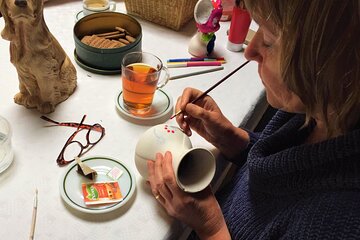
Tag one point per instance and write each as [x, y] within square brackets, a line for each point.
[168, 130]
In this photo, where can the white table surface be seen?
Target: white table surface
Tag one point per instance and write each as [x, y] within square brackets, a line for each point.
[36, 147]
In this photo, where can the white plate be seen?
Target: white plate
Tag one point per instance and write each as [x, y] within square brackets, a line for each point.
[70, 183]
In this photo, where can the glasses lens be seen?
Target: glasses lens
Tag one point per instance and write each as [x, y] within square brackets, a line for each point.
[72, 150]
[94, 135]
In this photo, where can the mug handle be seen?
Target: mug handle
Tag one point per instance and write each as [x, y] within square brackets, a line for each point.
[112, 6]
[165, 79]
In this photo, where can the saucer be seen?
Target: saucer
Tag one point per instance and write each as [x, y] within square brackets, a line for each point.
[79, 15]
[70, 184]
[160, 111]
[95, 70]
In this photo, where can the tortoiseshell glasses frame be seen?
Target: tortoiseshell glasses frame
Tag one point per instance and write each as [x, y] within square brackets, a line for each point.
[61, 161]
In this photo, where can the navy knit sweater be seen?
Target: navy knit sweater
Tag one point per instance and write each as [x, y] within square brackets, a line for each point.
[290, 190]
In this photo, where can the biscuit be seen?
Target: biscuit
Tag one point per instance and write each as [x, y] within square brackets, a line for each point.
[93, 38]
[124, 41]
[105, 44]
[113, 44]
[86, 40]
[107, 34]
[99, 41]
[106, 40]
[130, 38]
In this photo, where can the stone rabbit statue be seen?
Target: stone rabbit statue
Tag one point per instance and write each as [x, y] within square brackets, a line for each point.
[46, 74]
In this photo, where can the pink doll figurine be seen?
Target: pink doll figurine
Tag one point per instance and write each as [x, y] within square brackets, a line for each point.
[207, 15]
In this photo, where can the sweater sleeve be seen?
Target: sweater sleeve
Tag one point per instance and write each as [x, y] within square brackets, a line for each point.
[240, 159]
[278, 120]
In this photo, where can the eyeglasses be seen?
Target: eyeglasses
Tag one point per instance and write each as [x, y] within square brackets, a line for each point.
[73, 148]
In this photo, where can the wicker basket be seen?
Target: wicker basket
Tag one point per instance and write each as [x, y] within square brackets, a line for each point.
[170, 13]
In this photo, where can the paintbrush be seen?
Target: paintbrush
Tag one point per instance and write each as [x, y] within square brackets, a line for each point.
[214, 86]
[33, 219]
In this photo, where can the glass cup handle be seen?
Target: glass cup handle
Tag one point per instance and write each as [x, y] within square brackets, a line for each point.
[165, 79]
[112, 5]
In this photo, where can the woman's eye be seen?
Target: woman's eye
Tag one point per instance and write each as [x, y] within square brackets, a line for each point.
[266, 44]
[267, 41]
[266, 38]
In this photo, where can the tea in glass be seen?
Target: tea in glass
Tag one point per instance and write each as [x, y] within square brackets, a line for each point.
[139, 86]
[140, 79]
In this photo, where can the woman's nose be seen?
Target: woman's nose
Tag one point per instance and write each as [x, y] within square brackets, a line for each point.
[252, 52]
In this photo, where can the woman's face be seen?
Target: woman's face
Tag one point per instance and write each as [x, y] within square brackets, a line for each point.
[264, 48]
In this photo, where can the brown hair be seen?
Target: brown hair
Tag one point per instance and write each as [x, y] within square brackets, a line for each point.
[320, 54]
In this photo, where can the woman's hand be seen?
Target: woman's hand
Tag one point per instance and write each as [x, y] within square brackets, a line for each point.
[200, 211]
[206, 118]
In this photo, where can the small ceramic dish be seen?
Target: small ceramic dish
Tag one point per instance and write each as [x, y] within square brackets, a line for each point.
[107, 59]
[71, 182]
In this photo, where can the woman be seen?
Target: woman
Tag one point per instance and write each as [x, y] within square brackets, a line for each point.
[301, 179]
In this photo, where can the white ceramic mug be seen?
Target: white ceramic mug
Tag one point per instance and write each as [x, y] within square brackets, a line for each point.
[194, 168]
[95, 6]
